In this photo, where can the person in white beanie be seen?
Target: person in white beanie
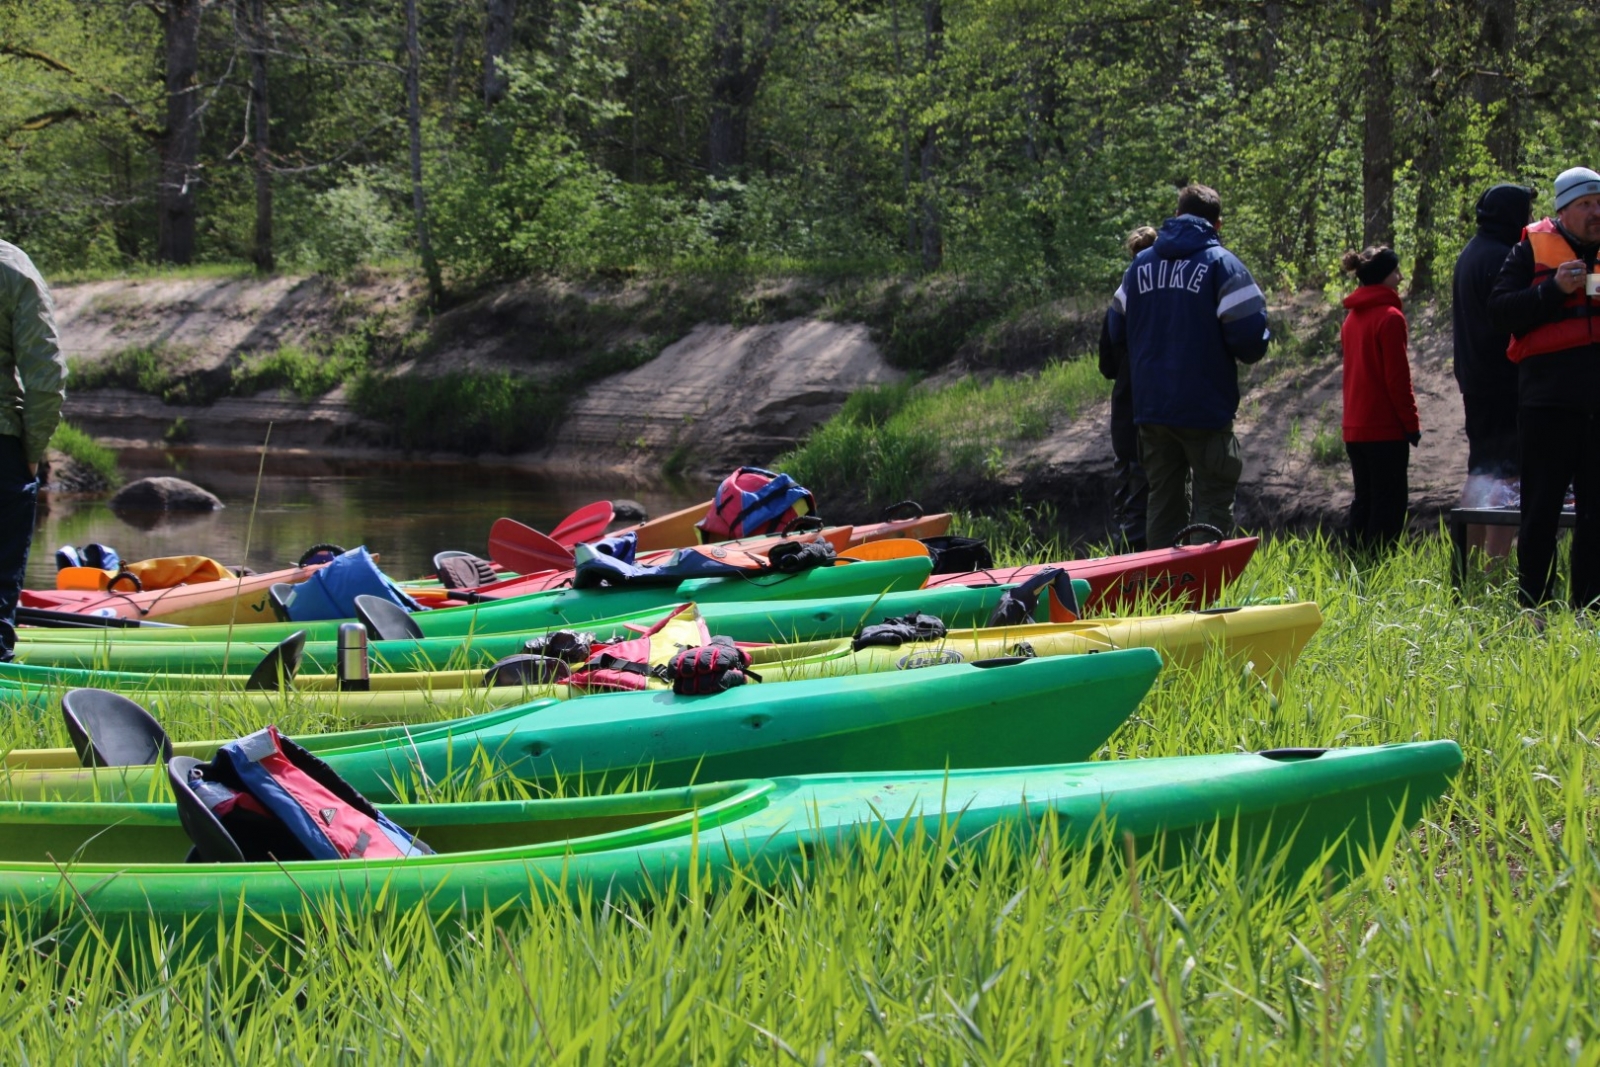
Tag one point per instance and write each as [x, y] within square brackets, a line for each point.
[1547, 298]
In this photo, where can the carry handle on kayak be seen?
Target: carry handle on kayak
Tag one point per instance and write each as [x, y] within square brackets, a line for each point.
[911, 506]
[1214, 535]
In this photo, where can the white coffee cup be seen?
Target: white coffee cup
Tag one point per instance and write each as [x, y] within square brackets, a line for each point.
[1594, 284]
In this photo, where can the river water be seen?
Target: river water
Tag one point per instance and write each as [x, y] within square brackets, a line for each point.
[404, 512]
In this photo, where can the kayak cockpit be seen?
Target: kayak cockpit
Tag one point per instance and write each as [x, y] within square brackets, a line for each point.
[76, 833]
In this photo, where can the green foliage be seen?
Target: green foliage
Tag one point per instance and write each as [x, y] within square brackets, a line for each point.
[1002, 147]
[83, 449]
[347, 226]
[158, 370]
[893, 443]
[307, 374]
[459, 412]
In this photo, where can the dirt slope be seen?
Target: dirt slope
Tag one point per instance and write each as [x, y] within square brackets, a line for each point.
[718, 395]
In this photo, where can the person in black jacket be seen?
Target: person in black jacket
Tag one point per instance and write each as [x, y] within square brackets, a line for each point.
[1130, 492]
[1548, 298]
[1488, 379]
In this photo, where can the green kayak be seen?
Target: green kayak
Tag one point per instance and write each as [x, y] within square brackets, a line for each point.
[959, 715]
[124, 861]
[1269, 636]
[764, 621]
[558, 607]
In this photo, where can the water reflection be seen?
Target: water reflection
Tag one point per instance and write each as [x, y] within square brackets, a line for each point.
[404, 512]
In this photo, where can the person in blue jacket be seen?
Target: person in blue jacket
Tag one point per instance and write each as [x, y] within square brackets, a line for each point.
[1189, 313]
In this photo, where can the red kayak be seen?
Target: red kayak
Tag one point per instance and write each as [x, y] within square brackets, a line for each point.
[843, 538]
[1192, 573]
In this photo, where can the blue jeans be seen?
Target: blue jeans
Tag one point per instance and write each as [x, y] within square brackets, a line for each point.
[19, 497]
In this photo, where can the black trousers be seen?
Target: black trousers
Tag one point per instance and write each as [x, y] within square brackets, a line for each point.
[1560, 447]
[19, 492]
[1378, 510]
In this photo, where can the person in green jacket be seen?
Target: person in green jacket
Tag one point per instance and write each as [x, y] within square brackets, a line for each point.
[33, 377]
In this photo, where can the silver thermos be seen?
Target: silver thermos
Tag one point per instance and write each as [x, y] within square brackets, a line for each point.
[353, 676]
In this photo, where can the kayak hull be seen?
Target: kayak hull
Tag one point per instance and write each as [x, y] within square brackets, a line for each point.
[957, 715]
[1191, 574]
[219, 603]
[1268, 637]
[1289, 812]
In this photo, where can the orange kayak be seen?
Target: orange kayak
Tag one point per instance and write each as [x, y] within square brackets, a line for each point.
[228, 600]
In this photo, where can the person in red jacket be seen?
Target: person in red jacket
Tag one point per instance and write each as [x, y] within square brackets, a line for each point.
[1380, 411]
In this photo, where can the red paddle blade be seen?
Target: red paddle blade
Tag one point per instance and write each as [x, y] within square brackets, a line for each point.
[525, 550]
[585, 524]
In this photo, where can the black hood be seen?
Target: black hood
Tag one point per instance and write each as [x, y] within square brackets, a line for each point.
[1503, 212]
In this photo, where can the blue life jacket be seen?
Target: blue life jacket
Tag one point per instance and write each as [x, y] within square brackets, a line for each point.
[320, 810]
[331, 592]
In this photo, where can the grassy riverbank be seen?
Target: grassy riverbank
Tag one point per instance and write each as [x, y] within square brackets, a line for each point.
[1469, 940]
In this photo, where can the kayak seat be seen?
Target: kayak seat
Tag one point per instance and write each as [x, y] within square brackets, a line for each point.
[386, 620]
[526, 669]
[278, 667]
[212, 841]
[109, 730]
[463, 570]
[278, 598]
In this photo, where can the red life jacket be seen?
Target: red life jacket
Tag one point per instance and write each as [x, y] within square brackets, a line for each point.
[1574, 327]
[327, 817]
[752, 501]
[634, 663]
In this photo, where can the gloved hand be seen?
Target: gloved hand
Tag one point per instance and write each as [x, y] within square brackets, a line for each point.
[1414, 439]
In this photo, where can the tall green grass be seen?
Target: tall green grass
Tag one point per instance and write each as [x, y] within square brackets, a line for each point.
[1473, 939]
[84, 449]
[895, 442]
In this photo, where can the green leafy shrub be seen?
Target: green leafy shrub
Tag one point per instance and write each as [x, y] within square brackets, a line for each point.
[894, 442]
[83, 449]
[460, 412]
[348, 225]
[307, 374]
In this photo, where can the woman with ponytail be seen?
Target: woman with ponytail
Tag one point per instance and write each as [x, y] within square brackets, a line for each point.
[1380, 410]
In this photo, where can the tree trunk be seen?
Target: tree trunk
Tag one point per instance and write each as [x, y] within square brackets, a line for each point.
[261, 252]
[1377, 157]
[734, 84]
[932, 237]
[1491, 85]
[430, 266]
[496, 43]
[180, 142]
[904, 131]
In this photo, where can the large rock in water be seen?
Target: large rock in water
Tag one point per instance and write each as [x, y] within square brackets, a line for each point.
[164, 494]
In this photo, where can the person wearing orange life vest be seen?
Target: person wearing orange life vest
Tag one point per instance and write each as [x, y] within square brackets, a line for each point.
[1547, 297]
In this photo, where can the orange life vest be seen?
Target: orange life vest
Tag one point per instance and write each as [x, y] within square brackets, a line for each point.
[1574, 327]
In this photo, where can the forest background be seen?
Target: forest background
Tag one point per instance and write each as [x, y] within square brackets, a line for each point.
[1005, 144]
